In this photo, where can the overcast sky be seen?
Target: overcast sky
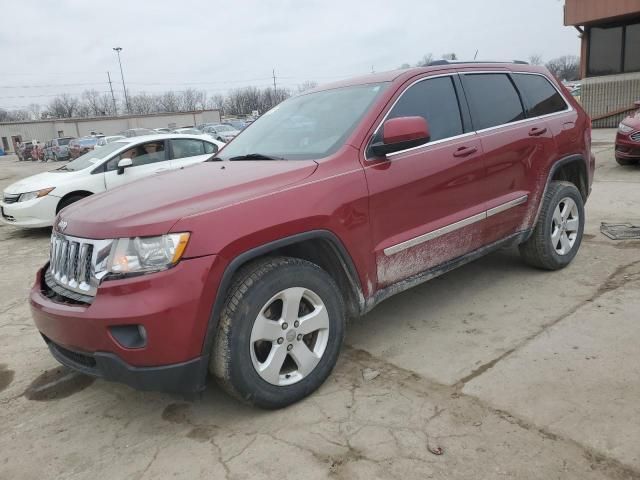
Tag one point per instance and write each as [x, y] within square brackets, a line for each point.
[66, 46]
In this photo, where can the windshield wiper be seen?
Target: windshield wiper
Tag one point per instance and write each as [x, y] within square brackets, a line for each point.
[255, 156]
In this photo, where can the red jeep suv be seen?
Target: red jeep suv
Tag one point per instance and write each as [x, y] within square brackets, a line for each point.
[248, 266]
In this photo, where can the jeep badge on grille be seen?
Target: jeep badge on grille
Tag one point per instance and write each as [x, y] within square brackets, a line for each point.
[62, 224]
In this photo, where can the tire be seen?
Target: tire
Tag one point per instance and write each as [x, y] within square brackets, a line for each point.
[558, 233]
[262, 288]
[626, 161]
[65, 202]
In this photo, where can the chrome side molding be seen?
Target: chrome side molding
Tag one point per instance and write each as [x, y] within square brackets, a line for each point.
[399, 247]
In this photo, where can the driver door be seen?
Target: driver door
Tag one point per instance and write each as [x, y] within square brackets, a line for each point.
[145, 163]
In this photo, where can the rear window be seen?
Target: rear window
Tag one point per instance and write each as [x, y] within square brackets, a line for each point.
[541, 97]
[493, 100]
[63, 141]
[88, 141]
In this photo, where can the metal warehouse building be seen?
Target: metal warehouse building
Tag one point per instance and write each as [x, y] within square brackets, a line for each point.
[45, 130]
[610, 57]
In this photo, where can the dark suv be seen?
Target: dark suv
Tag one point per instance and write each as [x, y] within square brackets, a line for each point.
[248, 265]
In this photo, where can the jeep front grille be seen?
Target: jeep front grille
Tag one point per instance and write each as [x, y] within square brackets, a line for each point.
[77, 264]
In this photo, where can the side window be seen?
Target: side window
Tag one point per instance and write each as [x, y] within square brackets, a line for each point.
[493, 100]
[541, 97]
[187, 147]
[436, 101]
[210, 147]
[145, 154]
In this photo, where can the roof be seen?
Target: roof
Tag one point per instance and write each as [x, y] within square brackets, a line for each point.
[439, 65]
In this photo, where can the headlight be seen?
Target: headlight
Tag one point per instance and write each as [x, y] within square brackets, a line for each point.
[625, 128]
[146, 254]
[37, 194]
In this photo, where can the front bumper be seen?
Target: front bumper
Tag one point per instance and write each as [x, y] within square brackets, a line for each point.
[626, 148]
[36, 213]
[187, 376]
[171, 307]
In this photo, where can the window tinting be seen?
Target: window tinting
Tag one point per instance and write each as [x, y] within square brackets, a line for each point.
[632, 48]
[186, 147]
[541, 97]
[493, 100]
[605, 50]
[435, 100]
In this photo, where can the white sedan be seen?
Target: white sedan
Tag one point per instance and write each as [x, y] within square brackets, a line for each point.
[35, 201]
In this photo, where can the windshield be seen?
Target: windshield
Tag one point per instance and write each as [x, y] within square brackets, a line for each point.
[63, 141]
[306, 127]
[92, 157]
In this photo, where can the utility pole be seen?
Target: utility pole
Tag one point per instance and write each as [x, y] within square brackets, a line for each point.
[113, 97]
[126, 97]
[275, 89]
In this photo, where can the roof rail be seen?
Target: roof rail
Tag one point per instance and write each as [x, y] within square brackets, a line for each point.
[449, 62]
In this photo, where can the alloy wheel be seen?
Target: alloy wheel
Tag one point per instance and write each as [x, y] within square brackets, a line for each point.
[564, 226]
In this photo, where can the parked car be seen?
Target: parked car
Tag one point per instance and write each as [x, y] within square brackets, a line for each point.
[80, 146]
[102, 141]
[222, 133]
[57, 149]
[236, 124]
[162, 130]
[137, 132]
[248, 267]
[188, 131]
[35, 201]
[628, 139]
[28, 151]
[202, 126]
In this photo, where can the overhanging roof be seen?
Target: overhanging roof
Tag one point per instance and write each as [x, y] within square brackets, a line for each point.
[585, 12]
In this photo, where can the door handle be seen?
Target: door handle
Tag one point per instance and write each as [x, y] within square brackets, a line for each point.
[464, 151]
[537, 131]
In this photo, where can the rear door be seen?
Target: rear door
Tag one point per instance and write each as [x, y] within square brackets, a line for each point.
[515, 148]
[187, 151]
[426, 205]
[145, 163]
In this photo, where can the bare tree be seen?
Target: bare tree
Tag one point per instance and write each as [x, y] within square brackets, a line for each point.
[16, 115]
[425, 60]
[307, 85]
[169, 102]
[535, 59]
[216, 101]
[35, 111]
[143, 104]
[91, 99]
[63, 106]
[566, 67]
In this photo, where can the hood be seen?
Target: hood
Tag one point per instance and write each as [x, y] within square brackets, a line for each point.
[633, 120]
[39, 181]
[151, 206]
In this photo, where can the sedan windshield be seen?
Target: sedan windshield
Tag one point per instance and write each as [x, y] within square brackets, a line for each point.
[92, 157]
[306, 127]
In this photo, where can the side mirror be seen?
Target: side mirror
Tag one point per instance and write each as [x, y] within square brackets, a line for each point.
[401, 133]
[124, 163]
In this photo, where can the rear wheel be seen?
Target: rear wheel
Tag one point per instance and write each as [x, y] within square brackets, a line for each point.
[280, 332]
[558, 232]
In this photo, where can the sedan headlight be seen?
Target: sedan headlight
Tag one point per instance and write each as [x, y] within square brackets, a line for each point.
[130, 256]
[37, 194]
[625, 128]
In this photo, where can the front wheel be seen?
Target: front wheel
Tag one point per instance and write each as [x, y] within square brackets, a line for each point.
[558, 232]
[280, 332]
